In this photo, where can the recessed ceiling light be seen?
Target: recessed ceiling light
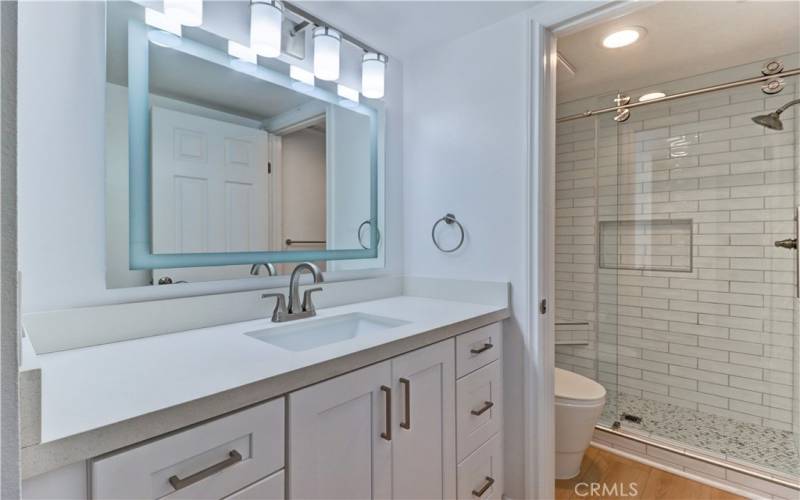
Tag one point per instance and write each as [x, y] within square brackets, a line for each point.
[623, 37]
[651, 96]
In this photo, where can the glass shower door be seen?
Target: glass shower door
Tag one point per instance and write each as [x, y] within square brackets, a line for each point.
[695, 301]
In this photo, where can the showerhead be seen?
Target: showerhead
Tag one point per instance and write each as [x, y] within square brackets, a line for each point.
[773, 121]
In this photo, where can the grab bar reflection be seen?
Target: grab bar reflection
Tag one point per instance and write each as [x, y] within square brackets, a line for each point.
[290, 242]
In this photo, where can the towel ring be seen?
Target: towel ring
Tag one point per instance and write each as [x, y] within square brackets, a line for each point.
[367, 223]
[447, 219]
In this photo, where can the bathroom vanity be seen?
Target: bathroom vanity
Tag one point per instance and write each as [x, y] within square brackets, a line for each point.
[399, 397]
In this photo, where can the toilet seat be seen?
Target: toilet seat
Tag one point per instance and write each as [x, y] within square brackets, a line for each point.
[574, 389]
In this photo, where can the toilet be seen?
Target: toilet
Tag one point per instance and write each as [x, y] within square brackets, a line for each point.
[579, 403]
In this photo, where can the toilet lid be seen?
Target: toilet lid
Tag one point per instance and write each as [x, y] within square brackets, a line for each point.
[570, 385]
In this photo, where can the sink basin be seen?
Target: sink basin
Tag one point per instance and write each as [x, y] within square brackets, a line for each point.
[315, 333]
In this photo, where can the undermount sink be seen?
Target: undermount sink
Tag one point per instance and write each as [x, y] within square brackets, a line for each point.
[319, 332]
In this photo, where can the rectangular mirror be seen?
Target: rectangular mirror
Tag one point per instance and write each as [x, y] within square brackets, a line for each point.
[216, 164]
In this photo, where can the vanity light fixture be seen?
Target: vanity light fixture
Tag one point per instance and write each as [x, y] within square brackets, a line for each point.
[266, 22]
[373, 75]
[652, 95]
[241, 52]
[350, 95]
[623, 37]
[302, 76]
[186, 12]
[170, 29]
[327, 42]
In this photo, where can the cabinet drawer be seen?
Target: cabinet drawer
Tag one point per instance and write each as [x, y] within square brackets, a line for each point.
[479, 408]
[269, 488]
[211, 460]
[478, 348]
[481, 474]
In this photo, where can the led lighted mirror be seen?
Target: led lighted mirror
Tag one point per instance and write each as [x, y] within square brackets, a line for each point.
[218, 161]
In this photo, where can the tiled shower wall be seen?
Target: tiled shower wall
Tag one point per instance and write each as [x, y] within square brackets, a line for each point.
[720, 338]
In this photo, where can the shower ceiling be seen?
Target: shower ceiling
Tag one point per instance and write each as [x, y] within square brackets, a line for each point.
[678, 44]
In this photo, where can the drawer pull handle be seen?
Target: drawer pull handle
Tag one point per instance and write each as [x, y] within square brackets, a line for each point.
[488, 484]
[387, 435]
[234, 457]
[483, 409]
[485, 348]
[407, 396]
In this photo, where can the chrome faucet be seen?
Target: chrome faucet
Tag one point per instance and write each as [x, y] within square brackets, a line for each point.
[255, 268]
[296, 309]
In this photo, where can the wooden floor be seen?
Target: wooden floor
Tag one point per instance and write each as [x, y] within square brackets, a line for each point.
[622, 478]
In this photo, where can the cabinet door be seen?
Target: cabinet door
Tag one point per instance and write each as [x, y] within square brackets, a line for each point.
[423, 453]
[336, 444]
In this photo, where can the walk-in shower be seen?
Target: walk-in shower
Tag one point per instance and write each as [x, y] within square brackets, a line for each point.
[670, 289]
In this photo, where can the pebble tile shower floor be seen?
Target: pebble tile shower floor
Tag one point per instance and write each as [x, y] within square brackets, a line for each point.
[764, 447]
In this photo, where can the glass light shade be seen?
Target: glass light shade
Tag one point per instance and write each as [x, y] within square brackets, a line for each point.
[266, 24]
[186, 12]
[373, 74]
[327, 42]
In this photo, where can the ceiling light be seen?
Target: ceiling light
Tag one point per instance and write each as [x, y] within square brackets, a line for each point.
[651, 96]
[266, 23]
[373, 74]
[186, 12]
[327, 42]
[347, 92]
[301, 75]
[623, 37]
[241, 52]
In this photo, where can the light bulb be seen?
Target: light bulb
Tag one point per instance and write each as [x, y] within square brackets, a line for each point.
[373, 71]
[186, 12]
[327, 42]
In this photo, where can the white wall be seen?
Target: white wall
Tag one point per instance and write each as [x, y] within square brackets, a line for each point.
[465, 153]
[62, 239]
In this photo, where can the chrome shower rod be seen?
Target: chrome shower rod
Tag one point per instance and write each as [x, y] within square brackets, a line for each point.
[688, 93]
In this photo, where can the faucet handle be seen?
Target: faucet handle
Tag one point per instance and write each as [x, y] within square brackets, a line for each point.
[308, 305]
[280, 305]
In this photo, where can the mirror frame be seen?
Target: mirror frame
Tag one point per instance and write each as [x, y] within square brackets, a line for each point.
[140, 203]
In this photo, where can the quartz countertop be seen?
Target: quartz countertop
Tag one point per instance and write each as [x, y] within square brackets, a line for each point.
[100, 398]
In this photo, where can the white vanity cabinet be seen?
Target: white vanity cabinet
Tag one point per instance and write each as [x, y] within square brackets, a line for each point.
[385, 431]
[214, 460]
[426, 424]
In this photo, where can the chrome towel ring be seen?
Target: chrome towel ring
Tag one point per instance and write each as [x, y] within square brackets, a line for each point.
[367, 223]
[448, 219]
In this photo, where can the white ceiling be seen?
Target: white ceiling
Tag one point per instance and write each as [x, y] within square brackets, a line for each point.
[683, 39]
[400, 28]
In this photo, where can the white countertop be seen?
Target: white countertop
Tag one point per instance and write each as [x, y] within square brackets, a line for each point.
[89, 389]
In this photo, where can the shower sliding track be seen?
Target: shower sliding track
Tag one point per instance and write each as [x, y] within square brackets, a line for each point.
[696, 456]
[679, 95]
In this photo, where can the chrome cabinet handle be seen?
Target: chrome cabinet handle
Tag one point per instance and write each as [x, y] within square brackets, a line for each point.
[407, 417]
[485, 348]
[483, 409]
[234, 457]
[479, 493]
[387, 435]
